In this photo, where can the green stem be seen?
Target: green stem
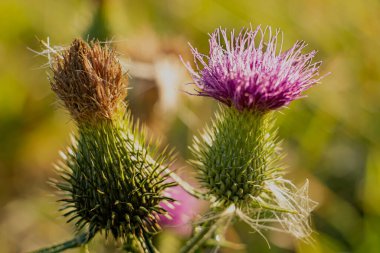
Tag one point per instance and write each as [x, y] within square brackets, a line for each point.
[78, 241]
[199, 238]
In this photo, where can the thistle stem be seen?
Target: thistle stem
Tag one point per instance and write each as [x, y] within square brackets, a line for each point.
[208, 229]
[198, 239]
[78, 241]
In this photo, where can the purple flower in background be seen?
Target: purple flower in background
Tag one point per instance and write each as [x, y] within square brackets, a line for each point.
[181, 212]
[250, 71]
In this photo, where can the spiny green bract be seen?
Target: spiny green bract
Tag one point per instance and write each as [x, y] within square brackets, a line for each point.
[111, 182]
[236, 154]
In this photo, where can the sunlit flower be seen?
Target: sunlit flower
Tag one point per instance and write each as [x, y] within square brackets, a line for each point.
[251, 71]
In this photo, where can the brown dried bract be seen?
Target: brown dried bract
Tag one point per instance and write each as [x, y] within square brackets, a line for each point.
[89, 80]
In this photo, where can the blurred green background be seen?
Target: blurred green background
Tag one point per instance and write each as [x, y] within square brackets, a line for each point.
[332, 137]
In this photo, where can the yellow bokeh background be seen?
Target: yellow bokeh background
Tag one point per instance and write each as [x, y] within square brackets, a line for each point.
[331, 137]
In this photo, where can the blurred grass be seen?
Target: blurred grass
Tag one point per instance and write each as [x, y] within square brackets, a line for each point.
[332, 137]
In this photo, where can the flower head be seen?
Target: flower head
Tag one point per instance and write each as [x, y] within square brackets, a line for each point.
[88, 79]
[250, 72]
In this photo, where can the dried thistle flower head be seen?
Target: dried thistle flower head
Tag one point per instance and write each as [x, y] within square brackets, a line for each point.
[88, 79]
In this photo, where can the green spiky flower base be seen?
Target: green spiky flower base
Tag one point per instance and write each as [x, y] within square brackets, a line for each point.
[238, 162]
[234, 154]
[111, 182]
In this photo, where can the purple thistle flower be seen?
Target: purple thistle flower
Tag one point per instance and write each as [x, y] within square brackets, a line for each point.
[249, 73]
[180, 212]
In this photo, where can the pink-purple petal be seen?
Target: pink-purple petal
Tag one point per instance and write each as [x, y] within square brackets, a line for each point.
[253, 73]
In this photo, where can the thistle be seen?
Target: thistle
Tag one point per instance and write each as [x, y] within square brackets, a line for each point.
[112, 179]
[238, 156]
